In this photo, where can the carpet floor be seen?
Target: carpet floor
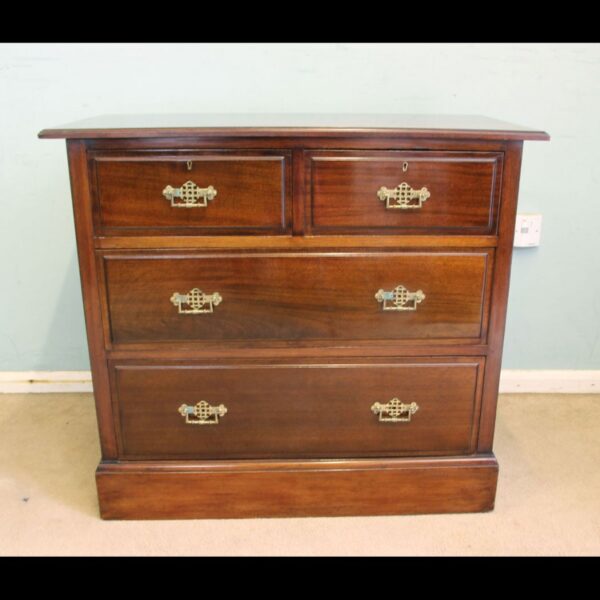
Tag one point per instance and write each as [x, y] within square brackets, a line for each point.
[548, 500]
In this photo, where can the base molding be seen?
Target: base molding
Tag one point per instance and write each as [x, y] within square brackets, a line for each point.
[45, 382]
[511, 382]
[296, 488]
[549, 382]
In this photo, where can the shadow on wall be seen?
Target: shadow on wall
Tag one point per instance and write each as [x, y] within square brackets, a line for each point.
[65, 347]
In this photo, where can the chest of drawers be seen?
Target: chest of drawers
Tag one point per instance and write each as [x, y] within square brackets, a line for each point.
[294, 315]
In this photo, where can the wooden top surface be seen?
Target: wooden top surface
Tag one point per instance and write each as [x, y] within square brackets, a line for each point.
[295, 125]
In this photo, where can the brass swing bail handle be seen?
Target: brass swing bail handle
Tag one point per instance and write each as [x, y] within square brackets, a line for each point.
[399, 298]
[403, 197]
[189, 195]
[202, 413]
[395, 411]
[196, 302]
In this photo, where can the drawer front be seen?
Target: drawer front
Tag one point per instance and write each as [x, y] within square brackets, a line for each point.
[297, 410]
[297, 297]
[404, 192]
[192, 194]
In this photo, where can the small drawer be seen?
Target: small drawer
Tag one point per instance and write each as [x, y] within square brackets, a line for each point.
[403, 192]
[192, 194]
[216, 411]
[296, 297]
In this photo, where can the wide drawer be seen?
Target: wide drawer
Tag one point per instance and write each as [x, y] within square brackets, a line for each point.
[320, 410]
[192, 193]
[292, 297]
[404, 192]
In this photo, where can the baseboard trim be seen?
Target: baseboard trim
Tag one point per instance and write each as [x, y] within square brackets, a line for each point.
[549, 382]
[517, 381]
[44, 382]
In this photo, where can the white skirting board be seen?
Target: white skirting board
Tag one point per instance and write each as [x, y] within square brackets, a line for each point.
[44, 382]
[549, 382]
[511, 382]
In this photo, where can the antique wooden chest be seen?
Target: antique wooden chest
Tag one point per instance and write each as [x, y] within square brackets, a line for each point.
[294, 315]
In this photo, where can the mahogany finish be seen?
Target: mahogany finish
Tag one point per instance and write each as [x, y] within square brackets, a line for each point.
[248, 489]
[297, 244]
[463, 188]
[82, 210]
[295, 143]
[336, 125]
[297, 410]
[252, 189]
[296, 296]
[506, 229]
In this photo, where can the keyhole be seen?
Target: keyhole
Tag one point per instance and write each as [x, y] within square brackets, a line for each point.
[405, 167]
[189, 165]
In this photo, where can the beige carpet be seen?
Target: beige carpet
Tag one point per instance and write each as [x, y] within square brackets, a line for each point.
[548, 499]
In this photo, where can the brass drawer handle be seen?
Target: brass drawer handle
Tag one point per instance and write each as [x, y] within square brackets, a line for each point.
[202, 413]
[395, 411]
[403, 196]
[189, 195]
[196, 302]
[400, 298]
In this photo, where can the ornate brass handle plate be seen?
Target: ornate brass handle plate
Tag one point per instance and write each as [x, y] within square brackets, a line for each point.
[202, 413]
[395, 411]
[189, 195]
[196, 302]
[403, 197]
[400, 298]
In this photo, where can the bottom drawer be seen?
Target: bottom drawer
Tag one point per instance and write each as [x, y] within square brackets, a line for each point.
[310, 410]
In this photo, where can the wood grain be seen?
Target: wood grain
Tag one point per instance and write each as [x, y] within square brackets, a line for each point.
[83, 214]
[297, 410]
[298, 223]
[297, 242]
[250, 489]
[252, 193]
[354, 141]
[270, 350]
[296, 296]
[510, 191]
[342, 195]
[302, 125]
[299, 348]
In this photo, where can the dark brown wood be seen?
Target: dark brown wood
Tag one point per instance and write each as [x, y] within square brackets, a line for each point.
[82, 210]
[253, 194]
[251, 489]
[298, 226]
[296, 296]
[297, 410]
[299, 351]
[298, 242]
[299, 348]
[510, 191]
[342, 195]
[301, 125]
[354, 141]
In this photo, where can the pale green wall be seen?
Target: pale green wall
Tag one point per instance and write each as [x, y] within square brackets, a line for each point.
[554, 310]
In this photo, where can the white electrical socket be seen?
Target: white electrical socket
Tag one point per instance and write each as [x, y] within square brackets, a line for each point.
[528, 230]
